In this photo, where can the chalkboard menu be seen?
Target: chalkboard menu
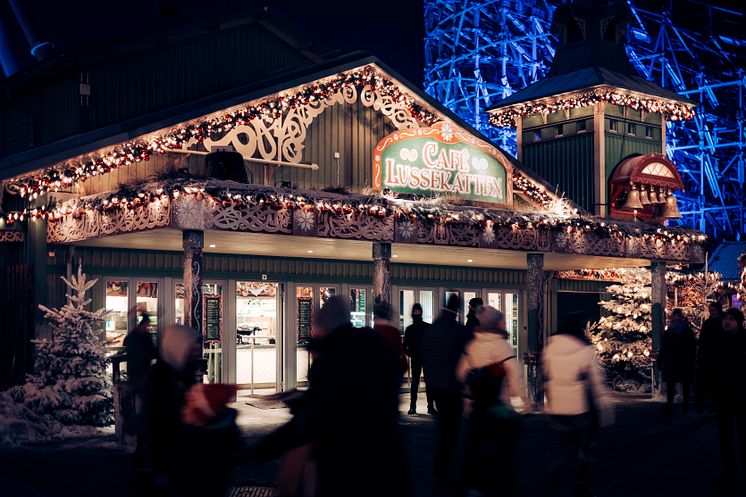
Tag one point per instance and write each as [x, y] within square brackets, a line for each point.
[305, 317]
[213, 320]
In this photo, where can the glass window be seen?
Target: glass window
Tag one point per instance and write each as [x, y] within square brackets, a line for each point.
[304, 311]
[117, 303]
[494, 299]
[358, 306]
[256, 333]
[648, 132]
[426, 299]
[406, 301]
[537, 135]
[581, 125]
[147, 301]
[631, 128]
[325, 293]
[465, 304]
[511, 316]
[558, 130]
[613, 125]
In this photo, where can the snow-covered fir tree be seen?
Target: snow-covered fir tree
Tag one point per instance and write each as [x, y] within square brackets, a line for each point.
[692, 293]
[623, 335]
[70, 382]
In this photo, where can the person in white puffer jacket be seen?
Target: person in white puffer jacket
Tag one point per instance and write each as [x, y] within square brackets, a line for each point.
[577, 402]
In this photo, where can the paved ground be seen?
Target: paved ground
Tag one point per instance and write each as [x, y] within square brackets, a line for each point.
[644, 454]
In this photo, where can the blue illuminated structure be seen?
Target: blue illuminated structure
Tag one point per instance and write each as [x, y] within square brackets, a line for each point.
[480, 51]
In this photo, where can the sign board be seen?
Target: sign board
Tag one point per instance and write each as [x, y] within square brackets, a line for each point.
[305, 317]
[442, 160]
[213, 317]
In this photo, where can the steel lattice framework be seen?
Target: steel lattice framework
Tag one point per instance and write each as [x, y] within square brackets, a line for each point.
[479, 51]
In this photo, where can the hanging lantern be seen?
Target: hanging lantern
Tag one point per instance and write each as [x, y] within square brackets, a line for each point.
[633, 199]
[670, 209]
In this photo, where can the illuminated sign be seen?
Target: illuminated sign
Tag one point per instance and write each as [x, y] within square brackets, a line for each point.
[441, 160]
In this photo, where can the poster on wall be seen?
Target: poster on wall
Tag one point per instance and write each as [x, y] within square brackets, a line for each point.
[442, 160]
[213, 317]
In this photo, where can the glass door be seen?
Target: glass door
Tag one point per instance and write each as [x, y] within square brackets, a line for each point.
[410, 296]
[212, 312]
[507, 301]
[117, 303]
[257, 334]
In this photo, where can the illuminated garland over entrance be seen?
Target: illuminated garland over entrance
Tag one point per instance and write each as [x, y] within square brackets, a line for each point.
[672, 110]
[55, 179]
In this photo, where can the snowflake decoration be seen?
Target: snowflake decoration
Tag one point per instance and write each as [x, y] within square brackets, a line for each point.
[489, 234]
[447, 132]
[406, 229]
[305, 220]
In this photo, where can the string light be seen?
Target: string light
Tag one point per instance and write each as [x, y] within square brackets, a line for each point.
[54, 178]
[422, 211]
[506, 117]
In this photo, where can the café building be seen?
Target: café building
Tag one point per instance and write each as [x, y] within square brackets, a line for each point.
[240, 213]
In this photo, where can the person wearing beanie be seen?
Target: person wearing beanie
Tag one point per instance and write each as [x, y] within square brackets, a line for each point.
[388, 333]
[491, 373]
[471, 319]
[577, 403]
[442, 345]
[413, 349]
[706, 354]
[728, 381]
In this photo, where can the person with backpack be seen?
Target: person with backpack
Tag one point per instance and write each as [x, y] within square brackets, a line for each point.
[490, 372]
[577, 404]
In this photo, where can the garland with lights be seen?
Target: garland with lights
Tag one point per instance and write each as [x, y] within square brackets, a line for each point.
[55, 179]
[230, 194]
[506, 118]
[742, 284]
[606, 274]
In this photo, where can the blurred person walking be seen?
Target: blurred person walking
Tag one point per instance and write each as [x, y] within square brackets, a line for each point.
[727, 375]
[577, 404]
[413, 349]
[140, 355]
[442, 345]
[678, 357]
[471, 321]
[491, 374]
[343, 439]
[707, 353]
[184, 422]
[389, 334]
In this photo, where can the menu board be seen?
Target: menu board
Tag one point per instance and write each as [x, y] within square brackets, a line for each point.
[213, 320]
[305, 317]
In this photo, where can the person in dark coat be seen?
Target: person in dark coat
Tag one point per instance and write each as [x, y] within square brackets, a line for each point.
[727, 375]
[471, 320]
[706, 353]
[442, 346]
[140, 354]
[413, 349]
[349, 416]
[678, 358]
[388, 333]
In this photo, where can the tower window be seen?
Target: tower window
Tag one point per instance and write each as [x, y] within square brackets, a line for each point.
[613, 125]
[581, 126]
[537, 135]
[631, 128]
[558, 130]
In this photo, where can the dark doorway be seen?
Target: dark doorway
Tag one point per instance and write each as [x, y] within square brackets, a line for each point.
[587, 303]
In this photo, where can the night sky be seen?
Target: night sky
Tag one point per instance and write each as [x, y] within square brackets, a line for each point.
[391, 29]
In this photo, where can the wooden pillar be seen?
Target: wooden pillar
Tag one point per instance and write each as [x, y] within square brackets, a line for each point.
[37, 246]
[658, 300]
[535, 314]
[382, 272]
[194, 242]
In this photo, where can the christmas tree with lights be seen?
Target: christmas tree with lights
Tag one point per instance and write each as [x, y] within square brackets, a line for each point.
[70, 382]
[623, 336]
